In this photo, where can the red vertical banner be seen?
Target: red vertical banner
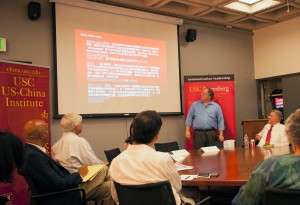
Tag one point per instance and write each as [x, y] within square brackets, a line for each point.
[223, 87]
[24, 96]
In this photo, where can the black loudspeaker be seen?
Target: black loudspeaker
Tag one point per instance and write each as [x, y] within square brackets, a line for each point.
[191, 35]
[34, 10]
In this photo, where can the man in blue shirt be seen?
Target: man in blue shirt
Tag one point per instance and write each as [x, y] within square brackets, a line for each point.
[205, 116]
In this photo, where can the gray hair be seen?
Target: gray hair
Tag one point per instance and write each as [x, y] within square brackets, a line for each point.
[70, 121]
[278, 114]
[292, 127]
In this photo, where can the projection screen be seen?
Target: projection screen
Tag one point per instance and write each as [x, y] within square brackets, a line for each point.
[114, 63]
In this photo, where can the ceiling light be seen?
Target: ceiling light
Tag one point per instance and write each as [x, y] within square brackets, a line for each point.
[251, 8]
[249, 1]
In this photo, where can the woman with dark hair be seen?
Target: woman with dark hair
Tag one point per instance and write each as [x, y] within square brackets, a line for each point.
[11, 155]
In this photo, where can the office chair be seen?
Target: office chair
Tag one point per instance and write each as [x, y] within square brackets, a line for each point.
[111, 154]
[147, 194]
[50, 198]
[275, 196]
[166, 147]
[159, 193]
[74, 196]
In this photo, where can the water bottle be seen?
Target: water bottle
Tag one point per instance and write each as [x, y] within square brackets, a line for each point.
[268, 154]
[246, 141]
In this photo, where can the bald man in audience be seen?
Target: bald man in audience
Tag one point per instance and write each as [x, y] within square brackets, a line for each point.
[43, 172]
[273, 133]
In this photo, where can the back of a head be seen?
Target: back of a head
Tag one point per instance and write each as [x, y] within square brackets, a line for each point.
[33, 129]
[292, 126]
[11, 155]
[70, 121]
[146, 126]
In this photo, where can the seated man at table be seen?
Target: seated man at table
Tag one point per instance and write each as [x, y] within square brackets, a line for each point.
[278, 171]
[273, 133]
[140, 163]
[72, 151]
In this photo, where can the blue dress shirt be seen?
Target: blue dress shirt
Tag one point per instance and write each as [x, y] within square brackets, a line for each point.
[201, 116]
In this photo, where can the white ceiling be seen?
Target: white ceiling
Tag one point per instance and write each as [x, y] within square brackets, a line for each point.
[213, 11]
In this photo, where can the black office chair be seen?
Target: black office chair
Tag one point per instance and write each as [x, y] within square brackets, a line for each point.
[111, 154]
[166, 147]
[74, 196]
[275, 196]
[148, 194]
[50, 198]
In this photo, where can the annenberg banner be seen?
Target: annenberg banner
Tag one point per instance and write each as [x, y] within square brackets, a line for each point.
[223, 87]
[24, 96]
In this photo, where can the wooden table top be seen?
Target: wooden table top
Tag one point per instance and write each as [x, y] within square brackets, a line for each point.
[234, 166]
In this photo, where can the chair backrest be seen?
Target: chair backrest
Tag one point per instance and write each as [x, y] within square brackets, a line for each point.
[166, 147]
[74, 196]
[275, 196]
[148, 194]
[111, 154]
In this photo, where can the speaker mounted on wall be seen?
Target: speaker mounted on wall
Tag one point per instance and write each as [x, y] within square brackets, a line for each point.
[34, 10]
[191, 35]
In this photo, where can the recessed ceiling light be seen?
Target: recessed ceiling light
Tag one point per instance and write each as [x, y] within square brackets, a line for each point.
[249, 1]
[251, 8]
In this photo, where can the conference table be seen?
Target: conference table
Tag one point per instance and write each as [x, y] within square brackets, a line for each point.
[234, 166]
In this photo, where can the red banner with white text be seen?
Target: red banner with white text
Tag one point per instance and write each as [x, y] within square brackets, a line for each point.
[24, 96]
[223, 87]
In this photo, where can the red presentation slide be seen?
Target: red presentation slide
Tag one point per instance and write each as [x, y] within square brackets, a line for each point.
[110, 65]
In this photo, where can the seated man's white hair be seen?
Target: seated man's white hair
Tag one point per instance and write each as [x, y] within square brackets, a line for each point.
[70, 121]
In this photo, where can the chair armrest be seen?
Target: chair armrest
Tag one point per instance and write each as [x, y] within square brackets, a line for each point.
[206, 200]
[36, 196]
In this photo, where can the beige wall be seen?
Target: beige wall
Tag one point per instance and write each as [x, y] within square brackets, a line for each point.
[214, 52]
[276, 49]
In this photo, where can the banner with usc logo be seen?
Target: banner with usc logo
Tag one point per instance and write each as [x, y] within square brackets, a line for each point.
[223, 87]
[24, 96]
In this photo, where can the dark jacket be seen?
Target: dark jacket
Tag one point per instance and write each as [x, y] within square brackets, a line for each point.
[44, 175]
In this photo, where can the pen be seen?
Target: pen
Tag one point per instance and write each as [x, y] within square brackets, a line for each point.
[187, 177]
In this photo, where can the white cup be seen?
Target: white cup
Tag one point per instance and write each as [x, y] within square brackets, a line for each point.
[229, 144]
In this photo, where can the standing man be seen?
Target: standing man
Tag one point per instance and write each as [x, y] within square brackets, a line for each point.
[72, 151]
[42, 173]
[273, 133]
[205, 116]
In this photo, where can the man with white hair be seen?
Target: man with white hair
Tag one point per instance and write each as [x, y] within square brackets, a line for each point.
[72, 151]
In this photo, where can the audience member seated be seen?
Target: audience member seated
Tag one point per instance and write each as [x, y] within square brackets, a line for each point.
[140, 163]
[278, 171]
[11, 155]
[72, 152]
[41, 170]
[273, 133]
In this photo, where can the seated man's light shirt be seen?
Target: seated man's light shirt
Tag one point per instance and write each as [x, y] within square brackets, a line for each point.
[72, 151]
[141, 164]
[278, 135]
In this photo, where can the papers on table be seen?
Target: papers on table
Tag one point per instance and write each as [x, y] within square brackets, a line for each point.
[180, 167]
[210, 149]
[93, 171]
[179, 155]
[188, 176]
